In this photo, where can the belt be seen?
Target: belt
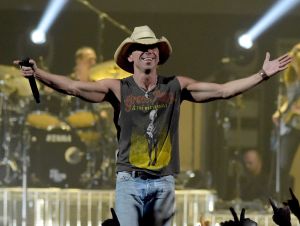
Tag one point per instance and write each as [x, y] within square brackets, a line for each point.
[143, 175]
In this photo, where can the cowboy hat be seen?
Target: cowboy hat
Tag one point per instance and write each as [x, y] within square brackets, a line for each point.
[145, 36]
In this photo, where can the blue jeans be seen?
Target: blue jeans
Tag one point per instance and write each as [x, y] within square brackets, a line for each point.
[137, 198]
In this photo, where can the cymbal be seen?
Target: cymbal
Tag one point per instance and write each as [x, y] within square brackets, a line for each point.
[12, 81]
[8, 72]
[20, 85]
[107, 69]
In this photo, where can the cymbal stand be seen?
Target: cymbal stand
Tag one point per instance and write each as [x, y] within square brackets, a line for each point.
[102, 17]
[6, 140]
[236, 164]
[278, 138]
[25, 164]
[239, 106]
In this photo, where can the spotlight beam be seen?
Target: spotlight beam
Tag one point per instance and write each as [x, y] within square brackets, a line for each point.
[271, 17]
[277, 11]
[54, 7]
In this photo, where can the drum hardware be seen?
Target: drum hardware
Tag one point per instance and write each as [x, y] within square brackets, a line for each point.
[9, 169]
[73, 155]
[89, 178]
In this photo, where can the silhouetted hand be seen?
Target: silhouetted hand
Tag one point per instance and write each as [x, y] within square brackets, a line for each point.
[112, 222]
[293, 204]
[238, 222]
[282, 215]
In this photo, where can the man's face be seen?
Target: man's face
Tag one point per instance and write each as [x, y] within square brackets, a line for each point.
[252, 162]
[144, 57]
[88, 58]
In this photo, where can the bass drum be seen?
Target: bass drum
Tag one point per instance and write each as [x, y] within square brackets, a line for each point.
[57, 158]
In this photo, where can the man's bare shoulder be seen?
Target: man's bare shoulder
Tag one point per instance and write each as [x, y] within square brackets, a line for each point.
[113, 85]
[184, 81]
[109, 83]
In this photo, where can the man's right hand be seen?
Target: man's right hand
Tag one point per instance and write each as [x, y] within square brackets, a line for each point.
[26, 71]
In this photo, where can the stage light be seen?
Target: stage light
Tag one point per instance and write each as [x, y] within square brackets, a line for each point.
[38, 37]
[54, 7]
[273, 15]
[245, 41]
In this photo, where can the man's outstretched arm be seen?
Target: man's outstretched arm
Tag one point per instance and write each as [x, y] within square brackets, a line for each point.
[90, 91]
[203, 92]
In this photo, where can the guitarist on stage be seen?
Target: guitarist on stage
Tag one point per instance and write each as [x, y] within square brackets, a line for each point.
[287, 119]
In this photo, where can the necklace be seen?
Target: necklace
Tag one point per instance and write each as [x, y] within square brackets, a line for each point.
[146, 92]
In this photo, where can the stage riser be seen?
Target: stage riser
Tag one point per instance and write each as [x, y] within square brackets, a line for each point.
[70, 207]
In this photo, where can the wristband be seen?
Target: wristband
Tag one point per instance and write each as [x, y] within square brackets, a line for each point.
[263, 74]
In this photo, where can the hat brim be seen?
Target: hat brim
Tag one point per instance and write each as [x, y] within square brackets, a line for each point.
[123, 51]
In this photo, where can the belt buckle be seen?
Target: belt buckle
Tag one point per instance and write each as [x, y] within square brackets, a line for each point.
[135, 174]
[139, 174]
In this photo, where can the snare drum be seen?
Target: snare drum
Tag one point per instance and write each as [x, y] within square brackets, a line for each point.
[90, 137]
[80, 113]
[46, 115]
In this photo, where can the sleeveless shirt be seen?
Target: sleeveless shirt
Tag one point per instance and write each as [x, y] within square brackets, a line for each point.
[147, 125]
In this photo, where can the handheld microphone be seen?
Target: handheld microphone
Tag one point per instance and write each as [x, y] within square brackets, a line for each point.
[31, 79]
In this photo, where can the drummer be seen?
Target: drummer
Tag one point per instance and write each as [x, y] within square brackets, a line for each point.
[80, 114]
[85, 59]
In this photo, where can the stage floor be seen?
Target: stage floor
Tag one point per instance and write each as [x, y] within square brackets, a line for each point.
[76, 207]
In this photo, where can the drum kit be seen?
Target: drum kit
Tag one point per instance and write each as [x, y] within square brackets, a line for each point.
[69, 142]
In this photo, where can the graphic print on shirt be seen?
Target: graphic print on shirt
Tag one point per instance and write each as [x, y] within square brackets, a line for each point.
[150, 139]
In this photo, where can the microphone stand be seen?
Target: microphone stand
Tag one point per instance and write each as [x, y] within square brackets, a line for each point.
[278, 138]
[102, 17]
[25, 163]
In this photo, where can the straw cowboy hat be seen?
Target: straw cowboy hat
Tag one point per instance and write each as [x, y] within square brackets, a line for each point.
[145, 36]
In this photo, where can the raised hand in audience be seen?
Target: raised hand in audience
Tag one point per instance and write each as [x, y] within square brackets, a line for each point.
[293, 204]
[112, 222]
[282, 215]
[238, 222]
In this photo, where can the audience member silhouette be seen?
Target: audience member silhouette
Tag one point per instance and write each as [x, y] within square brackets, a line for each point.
[238, 222]
[281, 215]
[112, 222]
[293, 204]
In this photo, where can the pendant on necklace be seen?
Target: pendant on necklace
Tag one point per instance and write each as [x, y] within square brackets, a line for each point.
[146, 94]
